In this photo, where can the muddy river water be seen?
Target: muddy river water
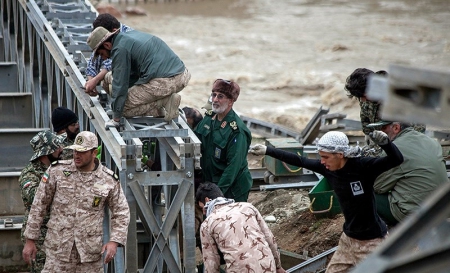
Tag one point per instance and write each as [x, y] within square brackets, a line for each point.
[291, 57]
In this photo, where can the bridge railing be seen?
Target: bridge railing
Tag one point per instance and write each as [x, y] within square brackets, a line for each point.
[47, 41]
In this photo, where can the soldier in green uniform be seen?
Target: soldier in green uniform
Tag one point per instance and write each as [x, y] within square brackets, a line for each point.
[225, 142]
[47, 148]
[355, 86]
[65, 121]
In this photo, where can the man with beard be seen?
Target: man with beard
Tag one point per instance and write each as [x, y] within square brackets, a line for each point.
[47, 148]
[65, 121]
[225, 142]
[76, 192]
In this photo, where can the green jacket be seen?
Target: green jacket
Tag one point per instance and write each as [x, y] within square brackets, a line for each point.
[137, 58]
[224, 153]
[422, 171]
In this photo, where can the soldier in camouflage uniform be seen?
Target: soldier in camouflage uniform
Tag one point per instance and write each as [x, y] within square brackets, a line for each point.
[355, 86]
[47, 148]
[237, 230]
[76, 192]
[65, 121]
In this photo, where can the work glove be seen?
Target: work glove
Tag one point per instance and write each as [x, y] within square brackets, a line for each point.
[258, 149]
[112, 123]
[379, 137]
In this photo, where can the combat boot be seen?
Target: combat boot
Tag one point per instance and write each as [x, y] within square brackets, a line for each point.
[171, 105]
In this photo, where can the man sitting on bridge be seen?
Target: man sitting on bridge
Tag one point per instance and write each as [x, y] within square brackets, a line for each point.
[97, 68]
[147, 74]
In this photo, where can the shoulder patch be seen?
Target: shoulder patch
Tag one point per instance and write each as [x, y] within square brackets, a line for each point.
[209, 113]
[110, 172]
[65, 162]
[45, 177]
[233, 125]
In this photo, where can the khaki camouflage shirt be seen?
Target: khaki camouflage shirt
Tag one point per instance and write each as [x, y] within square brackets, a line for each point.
[244, 238]
[76, 201]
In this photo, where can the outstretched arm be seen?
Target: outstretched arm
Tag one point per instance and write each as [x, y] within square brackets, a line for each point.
[288, 157]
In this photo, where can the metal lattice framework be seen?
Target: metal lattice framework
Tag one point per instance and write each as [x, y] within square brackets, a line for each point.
[46, 41]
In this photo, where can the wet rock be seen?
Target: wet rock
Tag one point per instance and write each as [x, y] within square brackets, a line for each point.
[270, 219]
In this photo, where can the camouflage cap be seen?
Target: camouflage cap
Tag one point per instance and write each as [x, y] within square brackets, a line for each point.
[45, 143]
[84, 141]
[379, 123]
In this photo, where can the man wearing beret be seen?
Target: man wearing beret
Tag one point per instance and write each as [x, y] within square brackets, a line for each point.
[146, 74]
[65, 121]
[225, 142]
[47, 148]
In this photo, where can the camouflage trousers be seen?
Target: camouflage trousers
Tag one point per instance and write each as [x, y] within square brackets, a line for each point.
[73, 266]
[350, 252]
[142, 99]
[38, 264]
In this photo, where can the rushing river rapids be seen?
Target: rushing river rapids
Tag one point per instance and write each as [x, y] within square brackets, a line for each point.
[291, 57]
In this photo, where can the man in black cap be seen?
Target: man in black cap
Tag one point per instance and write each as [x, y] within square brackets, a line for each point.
[65, 121]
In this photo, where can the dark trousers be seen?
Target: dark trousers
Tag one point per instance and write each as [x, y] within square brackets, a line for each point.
[384, 209]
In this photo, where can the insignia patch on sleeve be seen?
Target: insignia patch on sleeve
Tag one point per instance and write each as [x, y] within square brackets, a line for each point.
[96, 201]
[233, 125]
[26, 185]
[217, 153]
[45, 177]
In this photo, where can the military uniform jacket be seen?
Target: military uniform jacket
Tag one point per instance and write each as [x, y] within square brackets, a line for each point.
[422, 172]
[224, 153]
[244, 238]
[29, 180]
[67, 153]
[76, 201]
